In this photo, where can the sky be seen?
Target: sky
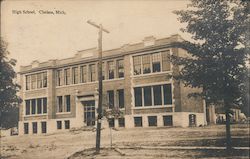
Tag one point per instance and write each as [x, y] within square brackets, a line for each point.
[43, 36]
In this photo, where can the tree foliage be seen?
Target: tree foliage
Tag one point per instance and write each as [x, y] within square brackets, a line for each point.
[217, 62]
[8, 88]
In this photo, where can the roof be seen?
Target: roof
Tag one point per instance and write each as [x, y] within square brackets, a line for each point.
[91, 54]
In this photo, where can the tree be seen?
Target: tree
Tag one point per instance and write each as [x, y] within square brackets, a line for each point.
[217, 61]
[8, 88]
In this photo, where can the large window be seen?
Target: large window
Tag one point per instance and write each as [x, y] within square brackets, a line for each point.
[138, 96]
[59, 104]
[92, 70]
[120, 64]
[28, 82]
[166, 60]
[146, 64]
[111, 99]
[44, 105]
[156, 95]
[111, 70]
[67, 76]
[75, 75]
[137, 65]
[120, 98]
[59, 76]
[36, 81]
[147, 96]
[39, 105]
[44, 79]
[39, 81]
[83, 70]
[36, 106]
[156, 62]
[33, 81]
[67, 102]
[63, 104]
[151, 63]
[27, 107]
[33, 106]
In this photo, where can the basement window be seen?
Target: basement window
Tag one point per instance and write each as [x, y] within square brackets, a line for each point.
[168, 120]
[138, 121]
[152, 120]
[59, 124]
[67, 124]
[26, 128]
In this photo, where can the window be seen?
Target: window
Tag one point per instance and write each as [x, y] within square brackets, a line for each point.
[147, 96]
[27, 106]
[59, 78]
[156, 62]
[67, 101]
[75, 75]
[28, 82]
[111, 70]
[39, 80]
[34, 127]
[44, 127]
[138, 121]
[165, 60]
[157, 95]
[33, 81]
[152, 120]
[137, 65]
[167, 94]
[83, 74]
[33, 106]
[92, 71]
[111, 122]
[26, 128]
[146, 64]
[67, 76]
[103, 71]
[121, 122]
[59, 124]
[168, 120]
[138, 96]
[111, 99]
[120, 64]
[59, 104]
[45, 79]
[44, 105]
[121, 98]
[39, 105]
[67, 124]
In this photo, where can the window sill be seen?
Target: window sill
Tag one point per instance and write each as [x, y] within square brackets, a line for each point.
[35, 115]
[58, 113]
[38, 89]
[151, 107]
[151, 74]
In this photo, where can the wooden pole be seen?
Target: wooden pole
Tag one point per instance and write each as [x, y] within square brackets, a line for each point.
[99, 109]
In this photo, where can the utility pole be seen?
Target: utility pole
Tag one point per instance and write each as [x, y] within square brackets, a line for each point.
[99, 110]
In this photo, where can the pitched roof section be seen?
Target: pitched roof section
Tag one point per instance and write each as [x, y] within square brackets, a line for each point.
[91, 54]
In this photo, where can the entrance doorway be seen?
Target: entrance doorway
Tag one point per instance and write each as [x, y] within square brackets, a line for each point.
[89, 112]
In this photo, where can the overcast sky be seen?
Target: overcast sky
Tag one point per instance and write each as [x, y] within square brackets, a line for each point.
[55, 36]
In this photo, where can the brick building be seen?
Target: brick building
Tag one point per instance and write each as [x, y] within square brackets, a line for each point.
[61, 94]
